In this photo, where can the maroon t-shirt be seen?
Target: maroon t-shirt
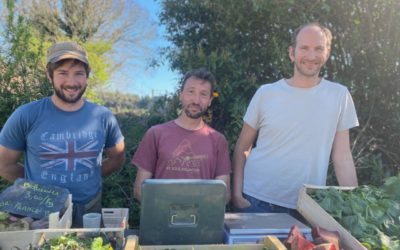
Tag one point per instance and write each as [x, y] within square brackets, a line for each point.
[172, 152]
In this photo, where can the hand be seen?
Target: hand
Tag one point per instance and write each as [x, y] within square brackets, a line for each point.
[240, 202]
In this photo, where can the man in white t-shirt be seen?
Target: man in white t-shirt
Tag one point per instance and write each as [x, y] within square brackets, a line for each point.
[299, 123]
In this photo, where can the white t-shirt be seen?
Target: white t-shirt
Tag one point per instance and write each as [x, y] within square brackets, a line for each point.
[296, 128]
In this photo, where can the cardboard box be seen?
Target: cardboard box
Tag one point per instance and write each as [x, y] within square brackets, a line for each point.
[250, 228]
[269, 243]
[22, 239]
[41, 235]
[317, 216]
[115, 217]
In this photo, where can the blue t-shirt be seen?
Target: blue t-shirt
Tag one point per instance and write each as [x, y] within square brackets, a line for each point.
[62, 148]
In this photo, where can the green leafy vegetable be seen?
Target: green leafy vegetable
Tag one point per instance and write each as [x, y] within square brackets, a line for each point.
[370, 214]
[74, 242]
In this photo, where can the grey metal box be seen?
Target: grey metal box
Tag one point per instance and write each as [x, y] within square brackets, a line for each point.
[181, 212]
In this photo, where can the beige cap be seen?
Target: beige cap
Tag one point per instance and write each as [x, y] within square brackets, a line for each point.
[66, 50]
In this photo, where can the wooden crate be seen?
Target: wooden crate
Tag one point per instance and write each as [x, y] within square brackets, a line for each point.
[270, 243]
[317, 216]
[22, 239]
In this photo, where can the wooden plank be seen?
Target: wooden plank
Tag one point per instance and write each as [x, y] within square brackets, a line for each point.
[273, 243]
[16, 239]
[270, 243]
[132, 243]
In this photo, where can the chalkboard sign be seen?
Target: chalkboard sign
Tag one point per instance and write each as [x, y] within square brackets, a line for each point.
[32, 199]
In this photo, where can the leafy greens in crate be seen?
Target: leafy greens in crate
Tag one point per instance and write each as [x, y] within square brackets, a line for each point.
[369, 213]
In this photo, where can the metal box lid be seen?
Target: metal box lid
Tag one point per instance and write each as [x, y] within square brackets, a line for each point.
[262, 223]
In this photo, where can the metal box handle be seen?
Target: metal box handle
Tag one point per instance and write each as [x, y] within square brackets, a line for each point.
[192, 222]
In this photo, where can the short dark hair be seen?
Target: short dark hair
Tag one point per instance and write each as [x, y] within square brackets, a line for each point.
[325, 30]
[202, 74]
[53, 66]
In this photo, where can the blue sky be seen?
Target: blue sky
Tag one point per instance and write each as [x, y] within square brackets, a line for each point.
[146, 81]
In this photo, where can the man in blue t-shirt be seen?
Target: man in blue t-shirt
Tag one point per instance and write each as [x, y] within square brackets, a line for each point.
[63, 136]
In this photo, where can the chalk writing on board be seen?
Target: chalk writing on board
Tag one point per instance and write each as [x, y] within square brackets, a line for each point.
[32, 199]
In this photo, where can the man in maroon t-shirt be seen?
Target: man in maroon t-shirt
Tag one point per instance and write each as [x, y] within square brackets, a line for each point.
[185, 148]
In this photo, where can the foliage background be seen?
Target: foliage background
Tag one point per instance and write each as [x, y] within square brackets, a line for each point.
[245, 44]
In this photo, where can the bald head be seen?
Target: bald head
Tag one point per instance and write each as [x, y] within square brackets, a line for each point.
[324, 31]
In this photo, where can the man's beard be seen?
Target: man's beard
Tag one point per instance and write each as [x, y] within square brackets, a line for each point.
[304, 72]
[195, 115]
[60, 94]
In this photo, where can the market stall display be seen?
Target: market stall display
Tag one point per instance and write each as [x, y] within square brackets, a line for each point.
[322, 207]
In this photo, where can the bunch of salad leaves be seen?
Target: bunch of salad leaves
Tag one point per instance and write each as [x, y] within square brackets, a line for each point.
[371, 214]
[74, 242]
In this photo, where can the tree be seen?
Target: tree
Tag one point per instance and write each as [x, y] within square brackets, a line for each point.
[245, 44]
[366, 52]
[121, 24]
[112, 31]
[242, 42]
[22, 77]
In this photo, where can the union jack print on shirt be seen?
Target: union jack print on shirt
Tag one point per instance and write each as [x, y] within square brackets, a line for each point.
[69, 154]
